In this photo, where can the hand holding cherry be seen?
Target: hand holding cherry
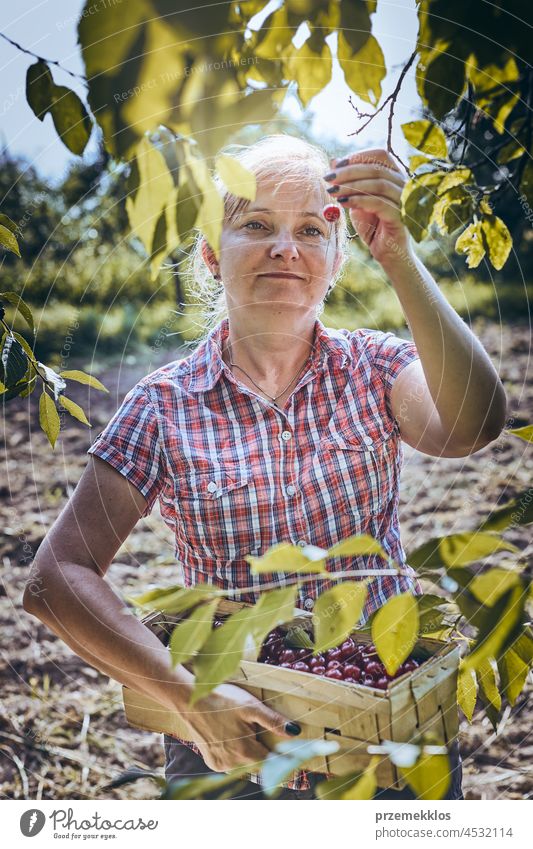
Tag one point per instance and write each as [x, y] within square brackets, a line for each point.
[369, 185]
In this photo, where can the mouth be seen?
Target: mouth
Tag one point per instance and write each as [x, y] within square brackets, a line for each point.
[282, 275]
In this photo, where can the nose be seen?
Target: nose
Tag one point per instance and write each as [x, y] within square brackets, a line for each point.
[284, 246]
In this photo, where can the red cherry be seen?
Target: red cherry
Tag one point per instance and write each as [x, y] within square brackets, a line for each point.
[336, 674]
[317, 661]
[334, 654]
[368, 681]
[410, 665]
[288, 656]
[318, 670]
[348, 649]
[331, 212]
[334, 664]
[351, 671]
[381, 683]
[350, 681]
[300, 666]
[286, 665]
[373, 669]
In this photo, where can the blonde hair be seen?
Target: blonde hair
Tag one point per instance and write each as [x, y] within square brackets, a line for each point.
[278, 156]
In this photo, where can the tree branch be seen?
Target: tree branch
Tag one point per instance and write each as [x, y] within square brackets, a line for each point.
[42, 59]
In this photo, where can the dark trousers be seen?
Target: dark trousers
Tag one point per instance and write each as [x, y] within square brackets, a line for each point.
[181, 762]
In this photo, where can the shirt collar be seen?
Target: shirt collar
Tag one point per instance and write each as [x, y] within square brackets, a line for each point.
[206, 364]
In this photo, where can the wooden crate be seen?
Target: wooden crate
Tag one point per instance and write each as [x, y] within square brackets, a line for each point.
[351, 714]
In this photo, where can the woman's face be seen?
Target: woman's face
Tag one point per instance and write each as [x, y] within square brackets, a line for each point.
[279, 251]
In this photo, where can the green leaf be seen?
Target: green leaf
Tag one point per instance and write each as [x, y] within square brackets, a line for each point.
[275, 607]
[20, 305]
[310, 70]
[284, 557]
[395, 630]
[39, 87]
[364, 70]
[189, 636]
[206, 786]
[430, 777]
[443, 82]
[490, 585]
[355, 785]
[427, 137]
[337, 612]
[355, 24]
[13, 361]
[211, 212]
[289, 756]
[187, 207]
[470, 242]
[8, 240]
[498, 240]
[155, 188]
[523, 646]
[500, 626]
[466, 690]
[70, 118]
[518, 511]
[488, 687]
[457, 550]
[49, 418]
[238, 180]
[525, 433]
[418, 200]
[74, 410]
[222, 653]
[81, 377]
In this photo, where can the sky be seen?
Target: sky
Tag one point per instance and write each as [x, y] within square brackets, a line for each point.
[48, 28]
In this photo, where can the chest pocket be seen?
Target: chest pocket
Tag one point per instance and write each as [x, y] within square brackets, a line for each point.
[361, 468]
[215, 512]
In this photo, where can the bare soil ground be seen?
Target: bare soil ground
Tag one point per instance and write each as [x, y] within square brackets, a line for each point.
[63, 734]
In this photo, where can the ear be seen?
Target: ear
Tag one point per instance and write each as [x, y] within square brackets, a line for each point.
[209, 257]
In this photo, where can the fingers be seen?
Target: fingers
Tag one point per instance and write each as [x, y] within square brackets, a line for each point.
[367, 171]
[385, 208]
[378, 188]
[271, 720]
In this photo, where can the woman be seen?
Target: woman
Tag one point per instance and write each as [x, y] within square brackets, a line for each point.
[274, 429]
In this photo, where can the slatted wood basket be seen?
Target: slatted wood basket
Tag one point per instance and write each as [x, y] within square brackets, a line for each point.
[353, 715]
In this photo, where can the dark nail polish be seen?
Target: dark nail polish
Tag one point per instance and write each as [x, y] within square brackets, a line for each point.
[293, 728]
[342, 162]
[330, 176]
[343, 199]
[333, 189]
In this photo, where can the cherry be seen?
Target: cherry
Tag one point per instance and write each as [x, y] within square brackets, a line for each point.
[318, 660]
[367, 681]
[373, 669]
[318, 670]
[286, 665]
[348, 649]
[336, 674]
[334, 654]
[288, 656]
[350, 681]
[300, 666]
[351, 671]
[410, 665]
[331, 212]
[381, 683]
[334, 664]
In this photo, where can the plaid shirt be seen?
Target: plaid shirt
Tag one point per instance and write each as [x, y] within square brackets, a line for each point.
[235, 475]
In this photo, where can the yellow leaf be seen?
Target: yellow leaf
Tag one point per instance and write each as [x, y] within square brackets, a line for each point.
[489, 586]
[49, 418]
[430, 777]
[337, 612]
[356, 545]
[8, 241]
[358, 785]
[499, 240]
[74, 410]
[513, 673]
[189, 636]
[454, 178]
[462, 549]
[470, 243]
[310, 70]
[427, 137]
[364, 70]
[81, 377]
[238, 180]
[395, 630]
[284, 557]
[211, 213]
[525, 432]
[466, 690]
[221, 654]
[155, 187]
[487, 683]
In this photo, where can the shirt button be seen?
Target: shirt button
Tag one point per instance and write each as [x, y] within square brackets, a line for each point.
[290, 490]
[309, 603]
[286, 435]
[368, 440]
[211, 486]
[301, 543]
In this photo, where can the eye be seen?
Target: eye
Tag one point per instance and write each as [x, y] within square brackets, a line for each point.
[249, 223]
[317, 230]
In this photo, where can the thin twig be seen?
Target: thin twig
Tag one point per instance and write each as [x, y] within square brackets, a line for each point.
[42, 59]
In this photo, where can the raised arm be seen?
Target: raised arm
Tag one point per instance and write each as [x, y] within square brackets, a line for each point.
[79, 606]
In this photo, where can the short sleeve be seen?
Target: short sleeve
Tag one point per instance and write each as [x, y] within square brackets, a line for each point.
[130, 443]
[390, 355]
